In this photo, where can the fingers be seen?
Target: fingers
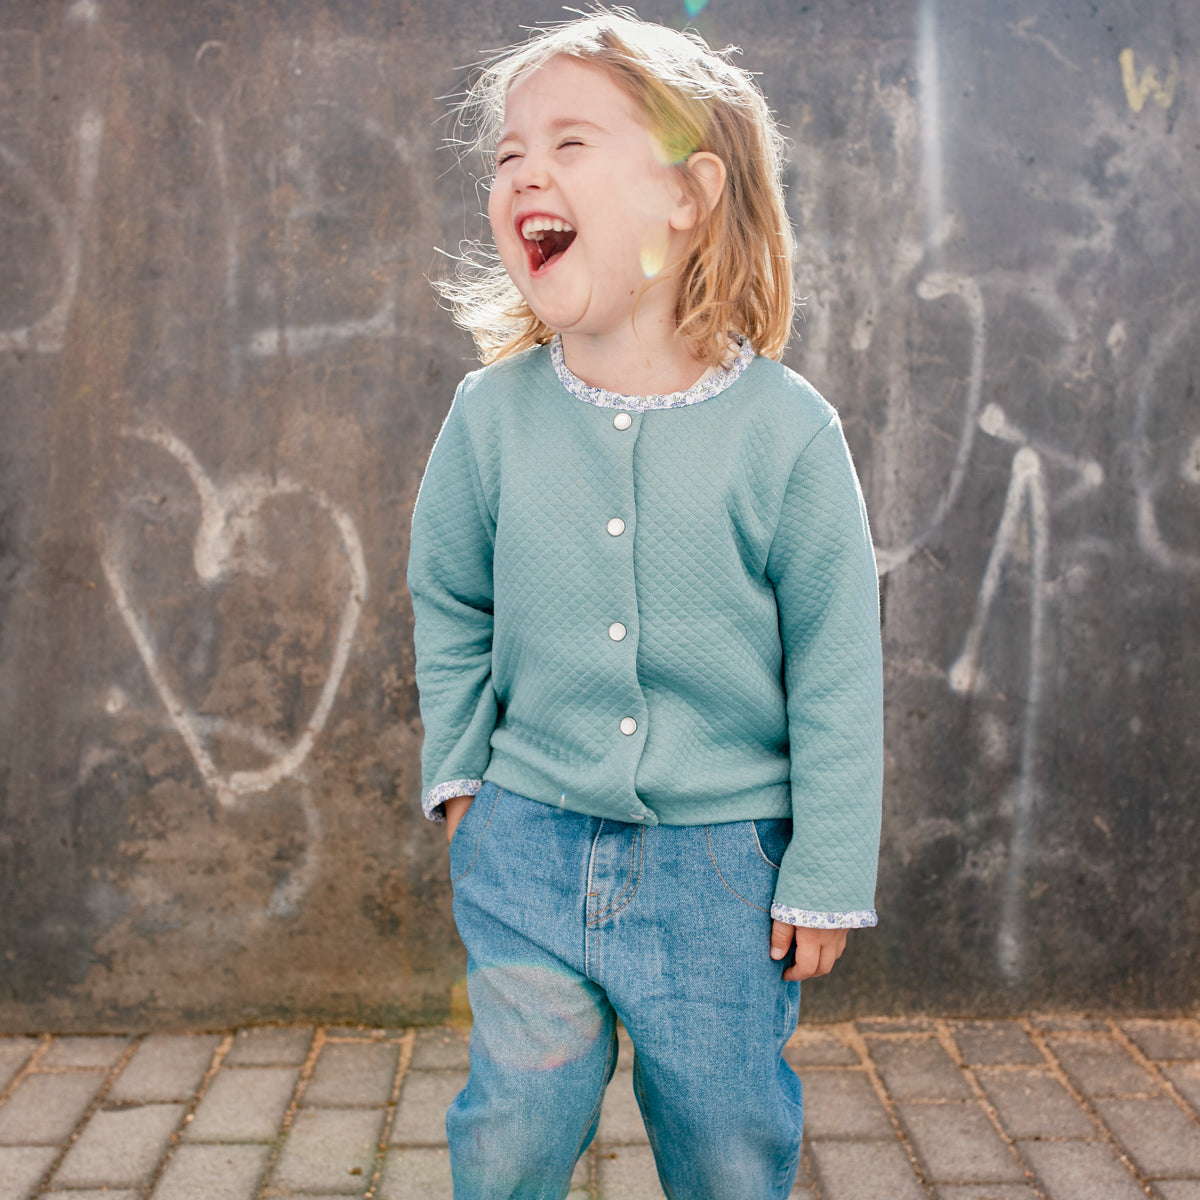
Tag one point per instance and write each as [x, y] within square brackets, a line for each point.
[455, 809]
[781, 938]
[816, 952]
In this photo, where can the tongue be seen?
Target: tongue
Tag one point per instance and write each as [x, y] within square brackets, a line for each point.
[553, 242]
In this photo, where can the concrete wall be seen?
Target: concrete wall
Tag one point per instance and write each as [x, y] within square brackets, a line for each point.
[221, 370]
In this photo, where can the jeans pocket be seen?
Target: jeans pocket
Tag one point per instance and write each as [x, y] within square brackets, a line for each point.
[746, 856]
[469, 835]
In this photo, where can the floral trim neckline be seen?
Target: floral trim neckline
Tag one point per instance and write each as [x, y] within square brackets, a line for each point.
[708, 385]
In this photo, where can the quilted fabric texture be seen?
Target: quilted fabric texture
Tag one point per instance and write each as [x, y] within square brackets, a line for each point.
[717, 659]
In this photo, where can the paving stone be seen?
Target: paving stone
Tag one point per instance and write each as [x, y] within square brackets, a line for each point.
[14, 1054]
[895, 1025]
[865, 1171]
[415, 1174]
[1156, 1135]
[818, 1048]
[243, 1104]
[20, 1169]
[270, 1047]
[803, 1174]
[627, 1173]
[84, 1052]
[213, 1173]
[1186, 1078]
[985, 1191]
[165, 1068]
[620, 1117]
[1163, 1041]
[918, 1069]
[843, 1104]
[1063, 1023]
[957, 1143]
[44, 1109]
[94, 1194]
[1080, 1171]
[1034, 1104]
[435, 1049]
[581, 1179]
[1178, 1189]
[625, 1049]
[352, 1074]
[1101, 1067]
[329, 1150]
[421, 1113]
[338, 1033]
[121, 1148]
[995, 1043]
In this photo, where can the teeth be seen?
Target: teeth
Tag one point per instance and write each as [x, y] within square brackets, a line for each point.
[533, 228]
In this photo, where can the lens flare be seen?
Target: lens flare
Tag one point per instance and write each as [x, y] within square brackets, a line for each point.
[654, 251]
[533, 1017]
[695, 7]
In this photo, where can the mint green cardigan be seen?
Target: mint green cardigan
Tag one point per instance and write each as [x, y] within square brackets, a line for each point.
[656, 610]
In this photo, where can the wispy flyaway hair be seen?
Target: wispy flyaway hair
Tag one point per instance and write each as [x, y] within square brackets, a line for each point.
[737, 275]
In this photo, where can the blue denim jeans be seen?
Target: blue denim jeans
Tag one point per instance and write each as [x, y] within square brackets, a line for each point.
[571, 922]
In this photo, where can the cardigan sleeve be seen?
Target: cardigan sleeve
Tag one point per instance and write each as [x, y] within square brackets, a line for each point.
[450, 581]
[822, 566]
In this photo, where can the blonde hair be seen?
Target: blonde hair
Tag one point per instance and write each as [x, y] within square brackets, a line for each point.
[737, 274]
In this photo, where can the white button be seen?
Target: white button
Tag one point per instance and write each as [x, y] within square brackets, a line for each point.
[617, 631]
[616, 527]
[622, 420]
[628, 726]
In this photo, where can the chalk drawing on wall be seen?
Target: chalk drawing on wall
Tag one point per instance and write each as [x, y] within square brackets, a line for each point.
[46, 333]
[1151, 475]
[324, 127]
[933, 287]
[1027, 510]
[1147, 85]
[228, 540]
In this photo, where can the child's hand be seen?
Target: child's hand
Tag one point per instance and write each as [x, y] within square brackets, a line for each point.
[456, 808]
[816, 949]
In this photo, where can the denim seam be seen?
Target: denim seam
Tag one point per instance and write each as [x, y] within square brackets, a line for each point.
[482, 832]
[774, 866]
[631, 884]
[712, 859]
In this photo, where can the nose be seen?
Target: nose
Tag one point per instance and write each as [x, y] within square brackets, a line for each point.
[530, 173]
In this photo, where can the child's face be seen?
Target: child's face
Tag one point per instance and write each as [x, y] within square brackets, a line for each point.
[583, 210]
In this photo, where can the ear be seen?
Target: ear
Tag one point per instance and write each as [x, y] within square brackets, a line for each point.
[708, 171]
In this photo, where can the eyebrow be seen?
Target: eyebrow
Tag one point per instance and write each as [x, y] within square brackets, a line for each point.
[558, 124]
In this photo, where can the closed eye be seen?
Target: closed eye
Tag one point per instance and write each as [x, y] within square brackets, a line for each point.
[506, 157]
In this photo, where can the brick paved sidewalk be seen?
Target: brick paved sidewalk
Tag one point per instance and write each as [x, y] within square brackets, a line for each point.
[1060, 1108]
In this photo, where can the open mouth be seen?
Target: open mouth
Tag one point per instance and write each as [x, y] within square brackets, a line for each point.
[546, 239]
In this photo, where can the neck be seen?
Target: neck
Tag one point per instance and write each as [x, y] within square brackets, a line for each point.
[647, 360]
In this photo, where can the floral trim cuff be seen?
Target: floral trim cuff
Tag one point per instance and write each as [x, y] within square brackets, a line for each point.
[862, 919]
[432, 801]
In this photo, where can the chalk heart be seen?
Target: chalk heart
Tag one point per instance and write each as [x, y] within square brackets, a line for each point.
[227, 542]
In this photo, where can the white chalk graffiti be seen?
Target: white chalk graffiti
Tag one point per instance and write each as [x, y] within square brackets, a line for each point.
[1027, 501]
[933, 287]
[1148, 482]
[227, 540]
[47, 333]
